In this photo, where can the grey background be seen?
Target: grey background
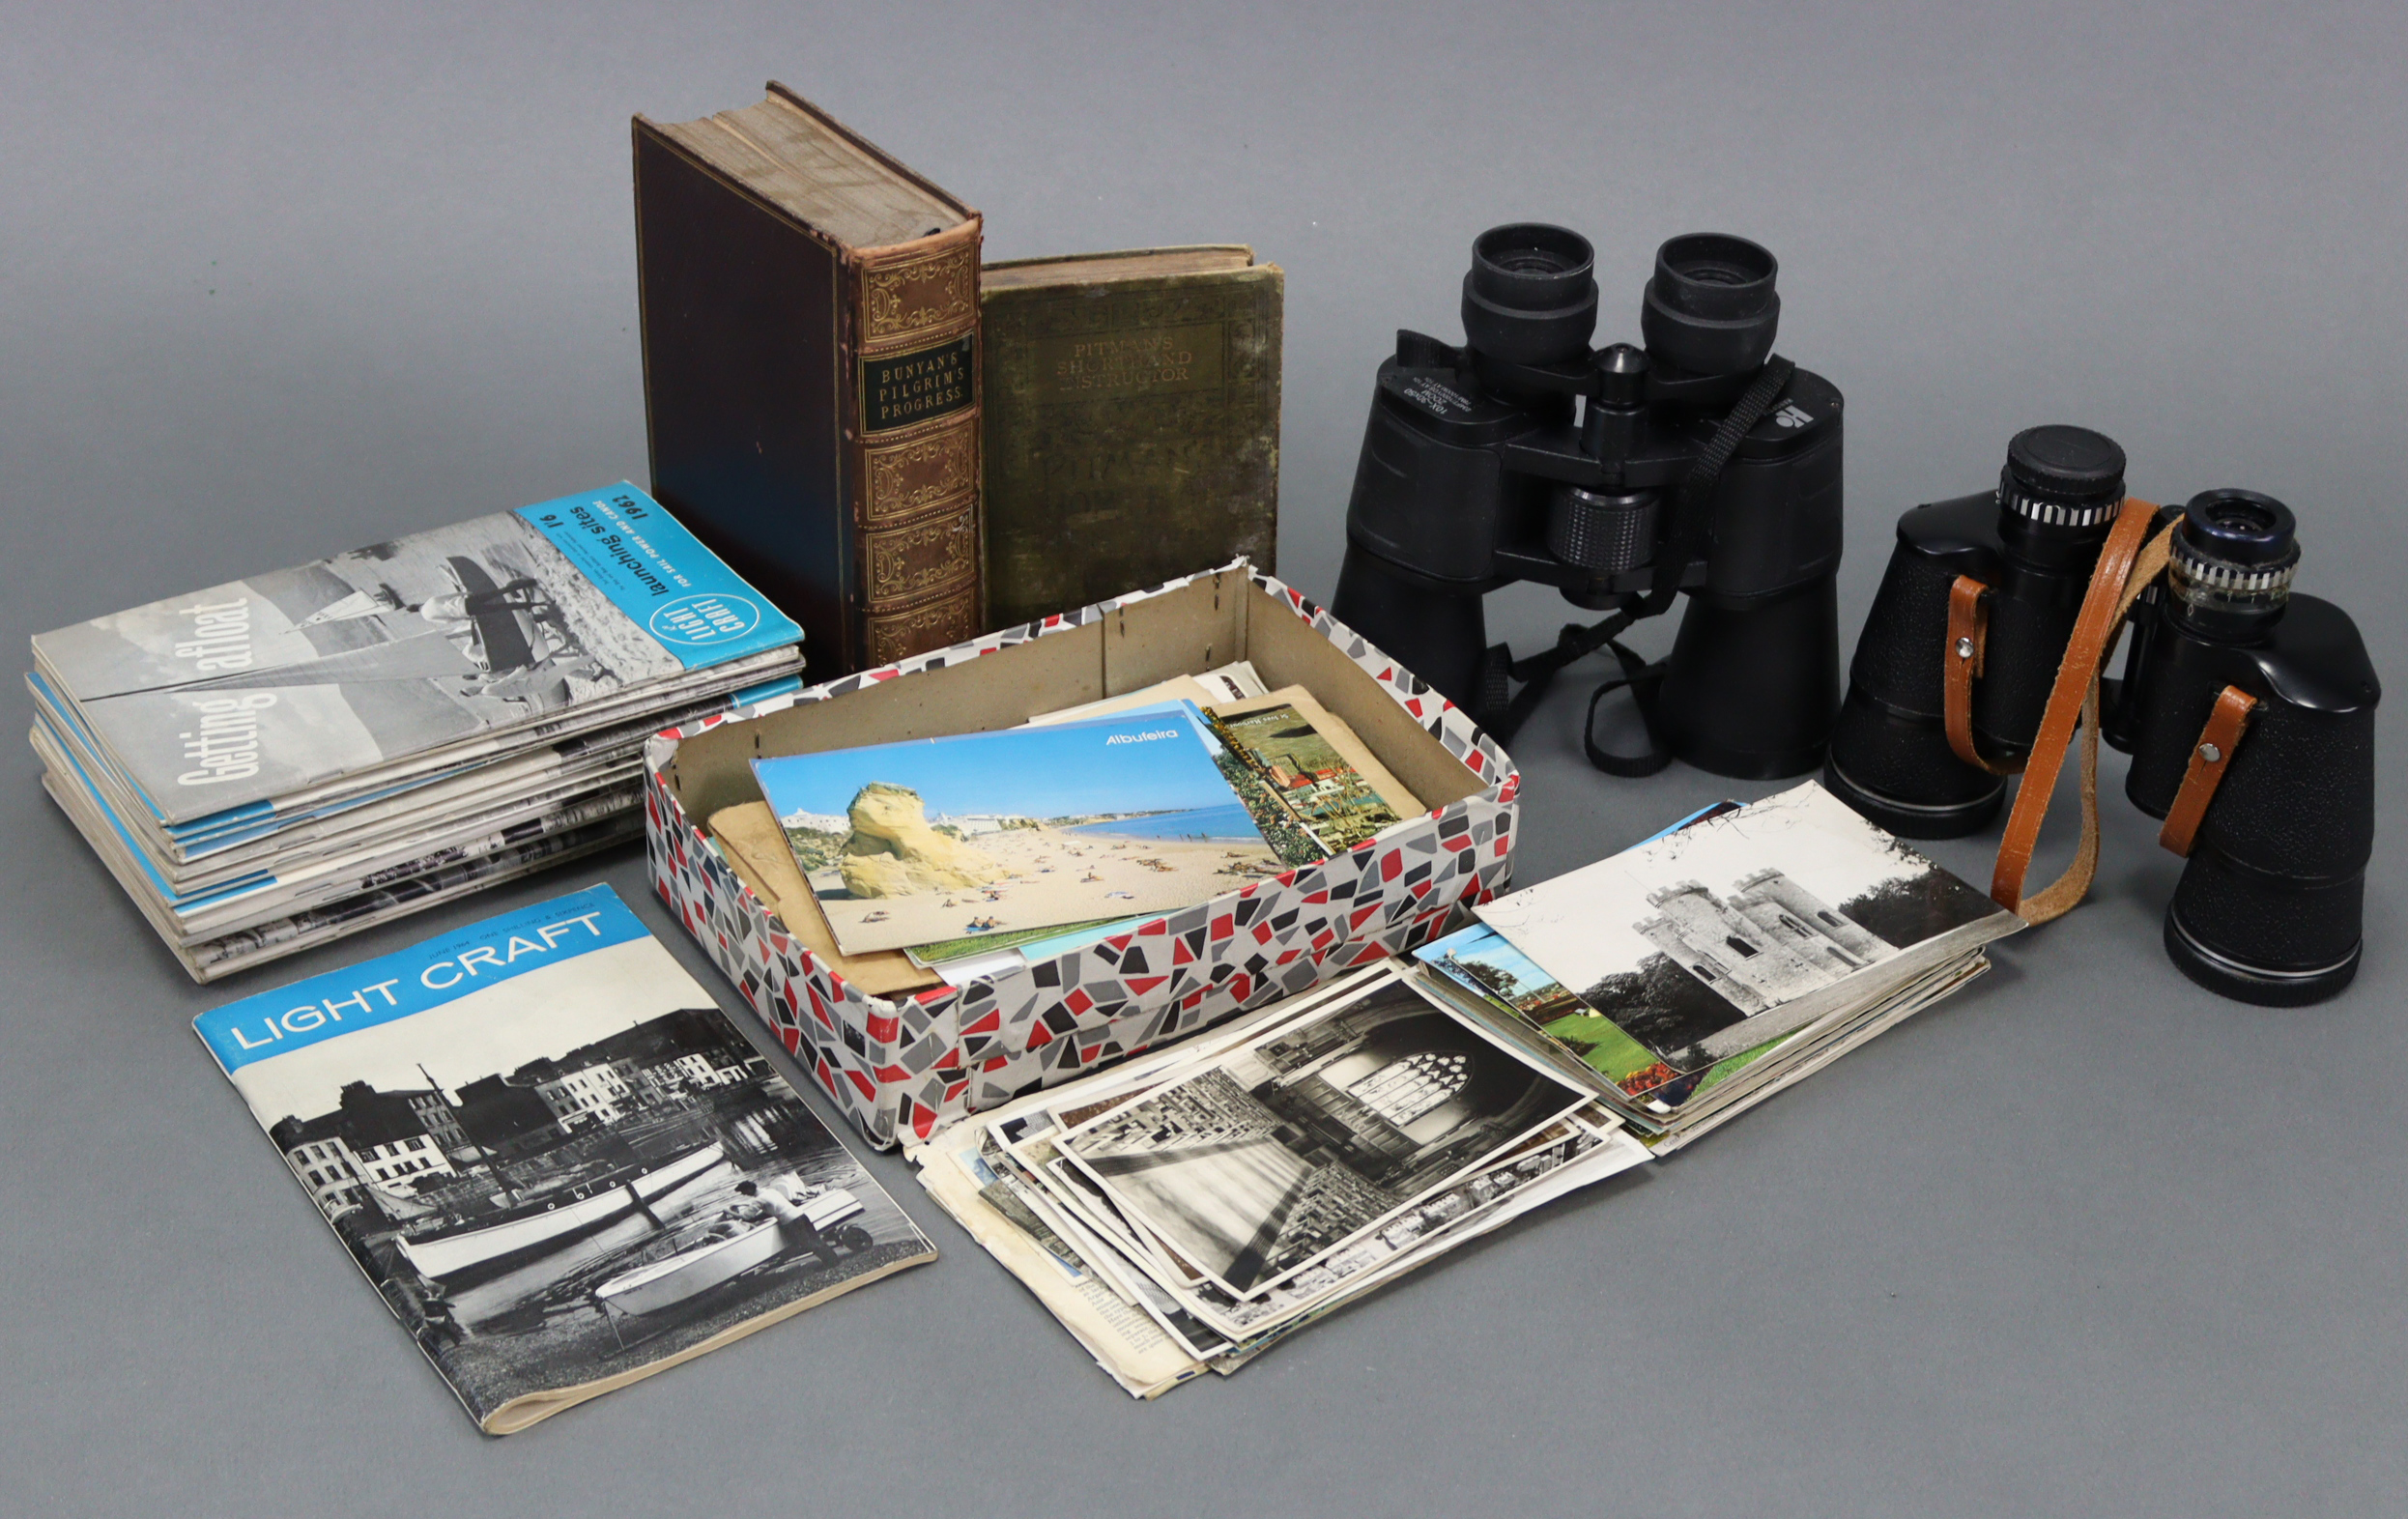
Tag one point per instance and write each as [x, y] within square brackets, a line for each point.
[277, 280]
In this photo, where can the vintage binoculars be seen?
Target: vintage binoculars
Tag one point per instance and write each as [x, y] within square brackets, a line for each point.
[2248, 710]
[1622, 476]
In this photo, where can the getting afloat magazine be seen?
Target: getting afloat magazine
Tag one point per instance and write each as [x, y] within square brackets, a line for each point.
[1186, 1211]
[270, 762]
[556, 1160]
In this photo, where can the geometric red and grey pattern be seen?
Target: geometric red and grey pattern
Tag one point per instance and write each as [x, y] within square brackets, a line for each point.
[912, 1062]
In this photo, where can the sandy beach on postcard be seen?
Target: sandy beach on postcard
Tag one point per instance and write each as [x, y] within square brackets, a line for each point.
[1047, 875]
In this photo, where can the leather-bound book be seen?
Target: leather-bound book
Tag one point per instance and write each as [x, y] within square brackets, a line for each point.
[1132, 422]
[810, 330]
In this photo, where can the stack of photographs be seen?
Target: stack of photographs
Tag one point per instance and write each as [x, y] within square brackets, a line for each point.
[1682, 981]
[906, 866]
[1185, 1212]
[271, 764]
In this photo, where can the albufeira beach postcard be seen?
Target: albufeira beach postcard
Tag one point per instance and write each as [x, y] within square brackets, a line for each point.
[941, 839]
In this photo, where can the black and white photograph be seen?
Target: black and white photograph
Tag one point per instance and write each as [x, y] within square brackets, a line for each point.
[1416, 1232]
[1283, 1150]
[1722, 935]
[569, 1176]
[388, 650]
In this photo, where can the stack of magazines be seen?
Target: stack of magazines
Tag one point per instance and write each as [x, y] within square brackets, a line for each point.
[271, 764]
[1184, 1213]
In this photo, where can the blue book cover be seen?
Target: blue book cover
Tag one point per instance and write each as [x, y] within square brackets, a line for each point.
[558, 1162]
[234, 696]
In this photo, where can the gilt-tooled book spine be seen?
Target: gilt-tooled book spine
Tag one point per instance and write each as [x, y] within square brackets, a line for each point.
[1131, 431]
[913, 444]
[810, 331]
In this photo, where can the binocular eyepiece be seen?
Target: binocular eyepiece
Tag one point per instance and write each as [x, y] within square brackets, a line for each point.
[1531, 295]
[1531, 298]
[2231, 560]
[1711, 309]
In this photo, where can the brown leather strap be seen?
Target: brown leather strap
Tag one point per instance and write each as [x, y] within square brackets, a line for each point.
[2074, 700]
[2064, 894]
[1962, 664]
[2226, 722]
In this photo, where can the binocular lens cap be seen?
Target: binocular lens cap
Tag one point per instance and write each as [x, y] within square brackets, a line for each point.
[2067, 461]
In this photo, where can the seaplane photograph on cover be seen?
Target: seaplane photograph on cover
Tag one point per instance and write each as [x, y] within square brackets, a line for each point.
[241, 692]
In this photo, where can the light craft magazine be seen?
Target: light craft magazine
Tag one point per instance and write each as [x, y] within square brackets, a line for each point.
[556, 1160]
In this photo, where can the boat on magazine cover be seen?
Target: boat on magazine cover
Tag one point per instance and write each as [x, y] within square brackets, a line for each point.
[728, 1249]
[505, 1118]
[455, 1251]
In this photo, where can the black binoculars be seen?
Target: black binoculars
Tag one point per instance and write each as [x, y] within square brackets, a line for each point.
[2247, 711]
[1702, 463]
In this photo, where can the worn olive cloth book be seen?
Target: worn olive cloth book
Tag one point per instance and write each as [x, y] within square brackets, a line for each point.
[809, 319]
[1132, 422]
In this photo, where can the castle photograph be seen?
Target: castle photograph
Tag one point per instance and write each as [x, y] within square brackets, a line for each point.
[1727, 933]
[1769, 941]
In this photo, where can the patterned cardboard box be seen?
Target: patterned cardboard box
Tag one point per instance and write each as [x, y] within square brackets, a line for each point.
[937, 1054]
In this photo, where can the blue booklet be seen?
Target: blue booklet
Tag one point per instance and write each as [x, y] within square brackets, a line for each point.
[558, 1162]
[388, 663]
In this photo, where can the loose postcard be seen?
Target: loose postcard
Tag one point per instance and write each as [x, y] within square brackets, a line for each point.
[1718, 937]
[942, 839]
[1312, 775]
[1271, 1157]
[558, 1162]
[1188, 1209]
